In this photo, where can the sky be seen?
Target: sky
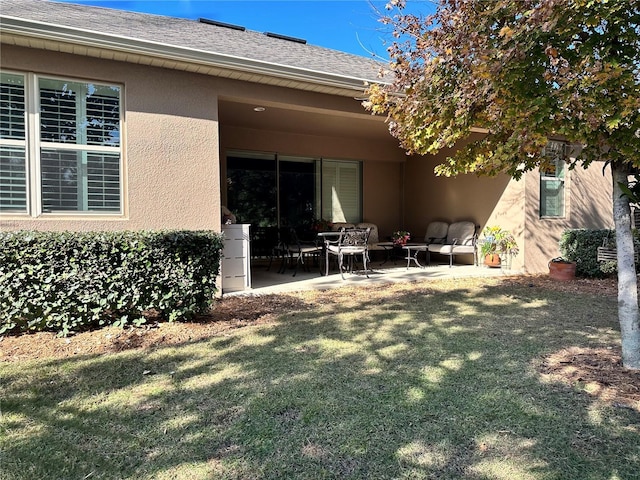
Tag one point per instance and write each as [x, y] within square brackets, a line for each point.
[347, 25]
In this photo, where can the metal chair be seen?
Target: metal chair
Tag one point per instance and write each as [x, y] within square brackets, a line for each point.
[291, 248]
[351, 243]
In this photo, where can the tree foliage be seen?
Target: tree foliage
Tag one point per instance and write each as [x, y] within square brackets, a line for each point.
[526, 71]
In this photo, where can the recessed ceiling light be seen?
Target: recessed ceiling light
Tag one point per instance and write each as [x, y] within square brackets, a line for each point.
[259, 109]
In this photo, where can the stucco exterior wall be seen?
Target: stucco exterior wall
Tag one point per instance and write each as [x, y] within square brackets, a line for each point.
[588, 205]
[175, 137]
[510, 204]
[382, 203]
[170, 144]
[484, 201]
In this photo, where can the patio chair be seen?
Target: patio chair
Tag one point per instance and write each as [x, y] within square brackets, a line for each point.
[264, 243]
[374, 238]
[337, 226]
[436, 234]
[278, 248]
[461, 239]
[351, 243]
[292, 249]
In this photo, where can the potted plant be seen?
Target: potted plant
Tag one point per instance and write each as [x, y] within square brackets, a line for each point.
[400, 238]
[496, 244]
[321, 225]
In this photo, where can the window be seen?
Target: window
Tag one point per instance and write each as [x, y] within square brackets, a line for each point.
[59, 146]
[552, 176]
[13, 171]
[341, 199]
[270, 190]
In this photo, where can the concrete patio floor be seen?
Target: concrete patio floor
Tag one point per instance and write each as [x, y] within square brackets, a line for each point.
[265, 281]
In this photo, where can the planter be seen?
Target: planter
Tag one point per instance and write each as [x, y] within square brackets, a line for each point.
[562, 270]
[492, 260]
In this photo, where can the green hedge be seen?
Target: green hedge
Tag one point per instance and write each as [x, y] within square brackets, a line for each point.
[581, 246]
[70, 281]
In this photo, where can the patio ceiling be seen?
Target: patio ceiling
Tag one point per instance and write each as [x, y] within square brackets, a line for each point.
[304, 120]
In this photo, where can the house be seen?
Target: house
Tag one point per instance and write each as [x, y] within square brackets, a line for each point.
[114, 120]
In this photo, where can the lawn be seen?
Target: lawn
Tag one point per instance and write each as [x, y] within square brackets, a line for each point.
[433, 380]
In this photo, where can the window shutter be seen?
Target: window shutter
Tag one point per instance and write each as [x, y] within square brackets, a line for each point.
[13, 175]
[13, 180]
[341, 191]
[103, 182]
[84, 174]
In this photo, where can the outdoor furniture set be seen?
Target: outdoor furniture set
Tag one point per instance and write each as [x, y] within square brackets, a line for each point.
[348, 242]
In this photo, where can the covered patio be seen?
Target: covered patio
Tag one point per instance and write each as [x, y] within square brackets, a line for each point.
[270, 281]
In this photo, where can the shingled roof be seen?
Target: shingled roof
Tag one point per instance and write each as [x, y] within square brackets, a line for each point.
[184, 44]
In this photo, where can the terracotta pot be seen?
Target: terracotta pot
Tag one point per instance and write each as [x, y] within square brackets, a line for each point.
[563, 271]
[492, 260]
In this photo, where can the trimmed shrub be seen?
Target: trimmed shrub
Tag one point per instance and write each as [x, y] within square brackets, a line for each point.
[581, 246]
[70, 281]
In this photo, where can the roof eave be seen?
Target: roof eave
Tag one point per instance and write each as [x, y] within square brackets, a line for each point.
[57, 33]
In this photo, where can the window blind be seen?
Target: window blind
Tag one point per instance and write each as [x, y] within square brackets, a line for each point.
[341, 186]
[13, 180]
[552, 190]
[13, 175]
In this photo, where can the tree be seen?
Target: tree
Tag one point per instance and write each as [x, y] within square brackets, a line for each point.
[527, 71]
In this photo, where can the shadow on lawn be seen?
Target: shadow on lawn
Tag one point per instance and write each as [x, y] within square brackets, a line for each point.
[424, 384]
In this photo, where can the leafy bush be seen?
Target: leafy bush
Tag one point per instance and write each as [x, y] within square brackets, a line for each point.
[581, 246]
[69, 281]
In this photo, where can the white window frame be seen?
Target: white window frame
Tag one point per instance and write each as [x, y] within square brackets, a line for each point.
[34, 146]
[555, 151]
[20, 144]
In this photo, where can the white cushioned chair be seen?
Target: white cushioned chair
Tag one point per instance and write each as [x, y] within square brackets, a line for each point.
[461, 239]
[374, 237]
[338, 225]
[436, 234]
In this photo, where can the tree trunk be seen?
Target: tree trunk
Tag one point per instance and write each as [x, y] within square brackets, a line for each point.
[628, 312]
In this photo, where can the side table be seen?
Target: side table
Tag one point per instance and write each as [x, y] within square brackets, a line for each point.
[391, 250]
[412, 253]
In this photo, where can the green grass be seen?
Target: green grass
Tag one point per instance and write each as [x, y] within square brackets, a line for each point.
[432, 380]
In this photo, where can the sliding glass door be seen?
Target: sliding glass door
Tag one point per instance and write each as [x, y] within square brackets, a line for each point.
[296, 191]
[252, 193]
[269, 190]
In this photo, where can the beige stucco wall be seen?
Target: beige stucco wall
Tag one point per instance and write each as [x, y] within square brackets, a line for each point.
[588, 205]
[482, 200]
[170, 144]
[510, 204]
